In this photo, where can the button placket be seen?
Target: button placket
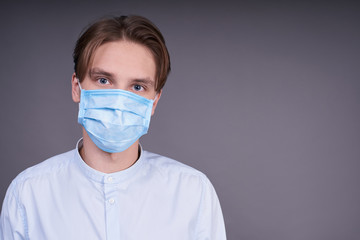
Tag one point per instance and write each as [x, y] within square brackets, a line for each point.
[112, 208]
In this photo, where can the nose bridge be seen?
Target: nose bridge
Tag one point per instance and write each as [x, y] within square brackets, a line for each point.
[121, 83]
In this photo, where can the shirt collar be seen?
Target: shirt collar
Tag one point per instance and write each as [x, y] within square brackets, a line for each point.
[107, 178]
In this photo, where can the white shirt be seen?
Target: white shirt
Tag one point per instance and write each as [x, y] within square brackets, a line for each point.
[157, 198]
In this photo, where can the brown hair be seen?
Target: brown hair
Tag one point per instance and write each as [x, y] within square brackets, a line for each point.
[133, 28]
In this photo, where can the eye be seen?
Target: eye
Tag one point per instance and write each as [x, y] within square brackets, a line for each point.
[138, 87]
[103, 81]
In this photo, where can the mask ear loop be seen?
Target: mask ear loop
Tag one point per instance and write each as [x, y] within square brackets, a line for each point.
[78, 80]
[157, 95]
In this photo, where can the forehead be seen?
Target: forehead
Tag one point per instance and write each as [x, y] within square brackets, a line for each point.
[125, 59]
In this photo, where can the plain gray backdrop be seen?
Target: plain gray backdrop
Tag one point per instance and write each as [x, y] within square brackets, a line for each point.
[263, 97]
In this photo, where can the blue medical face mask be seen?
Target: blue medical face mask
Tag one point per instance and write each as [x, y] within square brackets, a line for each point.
[113, 118]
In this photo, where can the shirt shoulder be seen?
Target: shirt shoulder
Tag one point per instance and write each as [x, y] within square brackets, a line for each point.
[48, 167]
[172, 168]
[189, 183]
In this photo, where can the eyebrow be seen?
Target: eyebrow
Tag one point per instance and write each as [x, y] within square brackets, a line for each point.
[145, 81]
[98, 71]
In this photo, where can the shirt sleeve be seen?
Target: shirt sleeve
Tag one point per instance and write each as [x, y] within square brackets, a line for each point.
[12, 220]
[210, 224]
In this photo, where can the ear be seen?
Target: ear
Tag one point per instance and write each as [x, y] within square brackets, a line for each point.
[75, 90]
[158, 95]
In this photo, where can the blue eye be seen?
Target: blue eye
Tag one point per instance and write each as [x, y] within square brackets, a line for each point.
[103, 81]
[138, 87]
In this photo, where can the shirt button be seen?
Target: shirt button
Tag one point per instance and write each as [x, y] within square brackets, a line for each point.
[111, 201]
[110, 179]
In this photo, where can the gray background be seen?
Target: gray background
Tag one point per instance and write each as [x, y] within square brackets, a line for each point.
[263, 98]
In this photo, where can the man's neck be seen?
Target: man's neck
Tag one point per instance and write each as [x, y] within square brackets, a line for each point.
[107, 162]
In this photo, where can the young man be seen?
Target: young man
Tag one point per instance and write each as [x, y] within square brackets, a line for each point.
[108, 187]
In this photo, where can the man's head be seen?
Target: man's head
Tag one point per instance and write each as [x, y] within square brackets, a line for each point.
[125, 60]
[134, 29]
